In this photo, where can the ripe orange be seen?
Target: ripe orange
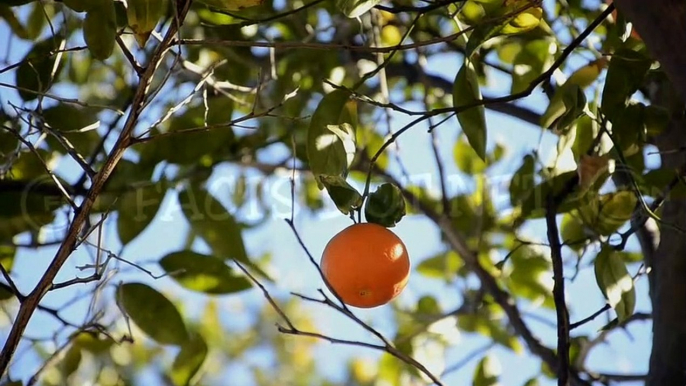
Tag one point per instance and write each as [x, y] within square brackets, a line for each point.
[366, 264]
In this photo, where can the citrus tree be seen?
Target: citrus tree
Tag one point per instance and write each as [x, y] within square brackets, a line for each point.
[171, 174]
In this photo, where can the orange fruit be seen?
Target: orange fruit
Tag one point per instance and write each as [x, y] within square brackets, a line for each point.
[366, 265]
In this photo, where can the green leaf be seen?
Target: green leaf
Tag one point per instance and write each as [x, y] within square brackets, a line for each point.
[615, 282]
[565, 107]
[70, 361]
[506, 21]
[532, 382]
[488, 326]
[573, 231]
[93, 343]
[472, 120]
[27, 205]
[203, 273]
[153, 313]
[77, 125]
[625, 74]
[7, 253]
[143, 16]
[533, 58]
[487, 371]
[35, 74]
[523, 181]
[13, 22]
[607, 213]
[211, 221]
[356, 8]
[442, 266]
[137, 208]
[100, 30]
[466, 158]
[331, 136]
[346, 197]
[188, 360]
[586, 131]
[528, 277]
[386, 206]
[5, 292]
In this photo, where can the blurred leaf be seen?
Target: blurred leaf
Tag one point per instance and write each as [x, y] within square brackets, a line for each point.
[565, 107]
[190, 148]
[40, 13]
[531, 60]
[385, 206]
[532, 382]
[523, 181]
[592, 170]
[627, 70]
[7, 253]
[489, 327]
[70, 361]
[27, 205]
[442, 266]
[153, 313]
[77, 125]
[203, 273]
[355, 8]
[143, 16]
[487, 371]
[35, 74]
[100, 30]
[92, 343]
[331, 136]
[466, 158]
[137, 208]
[13, 22]
[607, 213]
[188, 360]
[6, 292]
[586, 132]
[344, 195]
[573, 231]
[472, 120]
[529, 276]
[215, 225]
[615, 282]
[587, 75]
[515, 18]
[534, 204]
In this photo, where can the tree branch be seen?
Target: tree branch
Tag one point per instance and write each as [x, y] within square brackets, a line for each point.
[32, 300]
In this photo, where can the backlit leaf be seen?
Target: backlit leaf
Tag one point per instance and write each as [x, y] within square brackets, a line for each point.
[487, 371]
[188, 360]
[615, 282]
[331, 136]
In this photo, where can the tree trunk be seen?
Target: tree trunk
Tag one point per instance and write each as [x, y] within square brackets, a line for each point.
[662, 26]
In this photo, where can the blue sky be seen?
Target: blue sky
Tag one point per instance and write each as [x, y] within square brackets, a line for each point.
[627, 351]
